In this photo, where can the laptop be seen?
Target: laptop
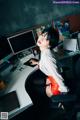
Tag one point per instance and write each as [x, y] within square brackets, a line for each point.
[9, 102]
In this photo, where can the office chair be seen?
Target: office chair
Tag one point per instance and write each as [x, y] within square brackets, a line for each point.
[66, 102]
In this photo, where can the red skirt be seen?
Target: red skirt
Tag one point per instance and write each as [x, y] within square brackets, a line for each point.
[54, 86]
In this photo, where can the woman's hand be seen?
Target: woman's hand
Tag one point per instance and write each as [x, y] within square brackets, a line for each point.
[33, 62]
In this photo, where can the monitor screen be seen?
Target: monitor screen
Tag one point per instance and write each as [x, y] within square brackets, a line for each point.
[79, 40]
[5, 50]
[22, 41]
[70, 45]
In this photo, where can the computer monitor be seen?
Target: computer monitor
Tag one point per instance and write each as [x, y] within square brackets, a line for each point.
[79, 40]
[5, 50]
[22, 41]
[70, 45]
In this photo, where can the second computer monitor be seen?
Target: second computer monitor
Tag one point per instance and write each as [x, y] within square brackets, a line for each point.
[22, 41]
[5, 50]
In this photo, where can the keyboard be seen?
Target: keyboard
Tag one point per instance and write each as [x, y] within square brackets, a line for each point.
[4, 65]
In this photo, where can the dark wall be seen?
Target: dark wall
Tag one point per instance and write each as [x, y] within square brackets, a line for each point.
[17, 15]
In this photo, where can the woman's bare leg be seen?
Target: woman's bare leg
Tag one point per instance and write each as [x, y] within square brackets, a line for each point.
[48, 88]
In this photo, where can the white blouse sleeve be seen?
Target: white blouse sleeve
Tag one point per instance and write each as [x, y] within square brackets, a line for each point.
[48, 66]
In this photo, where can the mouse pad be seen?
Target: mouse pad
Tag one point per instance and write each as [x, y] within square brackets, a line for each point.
[29, 63]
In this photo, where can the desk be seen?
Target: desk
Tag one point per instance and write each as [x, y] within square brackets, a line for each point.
[17, 83]
[67, 61]
[66, 55]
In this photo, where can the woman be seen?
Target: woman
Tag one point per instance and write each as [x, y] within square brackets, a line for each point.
[47, 64]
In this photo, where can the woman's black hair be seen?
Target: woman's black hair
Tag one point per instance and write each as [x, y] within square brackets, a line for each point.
[53, 36]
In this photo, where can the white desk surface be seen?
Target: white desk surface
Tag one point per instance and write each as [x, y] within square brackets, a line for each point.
[17, 83]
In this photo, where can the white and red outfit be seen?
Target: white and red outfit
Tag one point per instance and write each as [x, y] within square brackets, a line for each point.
[47, 65]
